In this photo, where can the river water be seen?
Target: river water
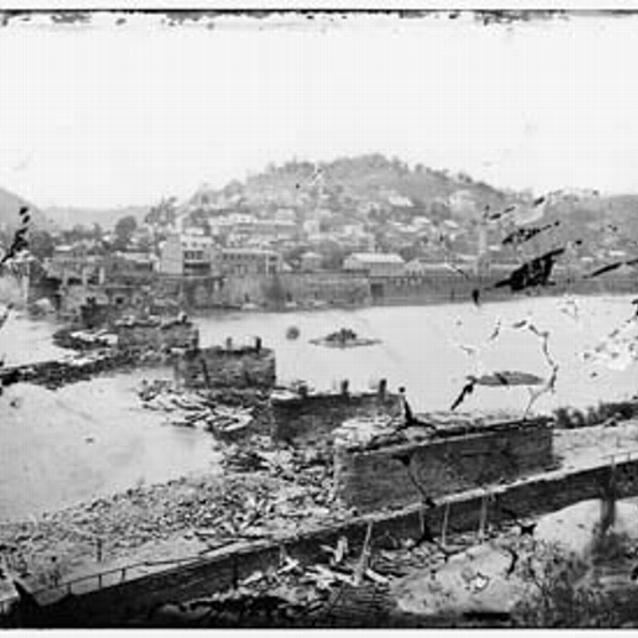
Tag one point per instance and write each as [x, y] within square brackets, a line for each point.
[93, 438]
[421, 349]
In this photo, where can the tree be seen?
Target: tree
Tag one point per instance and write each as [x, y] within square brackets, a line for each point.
[124, 230]
[16, 246]
[79, 232]
[163, 214]
[332, 254]
[41, 244]
[293, 255]
[408, 253]
[144, 244]
[559, 596]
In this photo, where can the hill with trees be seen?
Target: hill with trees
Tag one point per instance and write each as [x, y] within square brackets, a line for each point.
[10, 205]
[377, 191]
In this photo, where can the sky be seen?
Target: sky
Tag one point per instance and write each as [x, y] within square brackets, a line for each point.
[106, 115]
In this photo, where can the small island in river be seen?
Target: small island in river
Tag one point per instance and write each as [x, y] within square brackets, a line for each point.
[344, 338]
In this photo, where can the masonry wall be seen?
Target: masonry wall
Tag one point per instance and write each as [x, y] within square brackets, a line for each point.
[218, 367]
[174, 336]
[331, 287]
[443, 286]
[312, 419]
[270, 291]
[378, 479]
[191, 292]
[448, 286]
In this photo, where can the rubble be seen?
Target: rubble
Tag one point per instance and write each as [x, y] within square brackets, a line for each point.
[480, 583]
[84, 339]
[299, 594]
[230, 366]
[79, 367]
[192, 408]
[268, 489]
[264, 491]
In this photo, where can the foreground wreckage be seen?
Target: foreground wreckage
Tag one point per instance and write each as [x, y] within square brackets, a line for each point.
[377, 464]
[346, 530]
[329, 508]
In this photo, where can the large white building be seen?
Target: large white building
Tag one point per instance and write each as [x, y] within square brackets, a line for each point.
[249, 261]
[376, 264]
[187, 254]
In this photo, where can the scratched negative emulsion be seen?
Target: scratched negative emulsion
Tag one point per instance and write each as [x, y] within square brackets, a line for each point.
[318, 319]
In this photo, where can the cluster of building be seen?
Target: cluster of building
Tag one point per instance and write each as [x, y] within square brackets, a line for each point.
[223, 248]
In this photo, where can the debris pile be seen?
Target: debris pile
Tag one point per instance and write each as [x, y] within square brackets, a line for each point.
[224, 413]
[287, 594]
[470, 581]
[56, 373]
[84, 339]
[152, 332]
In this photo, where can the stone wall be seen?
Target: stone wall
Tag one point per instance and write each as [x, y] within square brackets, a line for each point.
[447, 286]
[223, 367]
[139, 334]
[352, 289]
[336, 288]
[442, 287]
[269, 291]
[325, 288]
[313, 418]
[54, 374]
[380, 478]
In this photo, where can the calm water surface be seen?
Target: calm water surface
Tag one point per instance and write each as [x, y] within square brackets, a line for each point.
[421, 350]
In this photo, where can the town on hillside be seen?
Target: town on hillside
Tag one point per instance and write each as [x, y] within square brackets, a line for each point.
[313, 235]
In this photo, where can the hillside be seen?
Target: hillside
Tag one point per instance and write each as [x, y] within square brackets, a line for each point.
[65, 218]
[350, 185]
[10, 204]
[602, 223]
[378, 191]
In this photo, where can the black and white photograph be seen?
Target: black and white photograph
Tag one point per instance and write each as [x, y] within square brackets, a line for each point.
[318, 318]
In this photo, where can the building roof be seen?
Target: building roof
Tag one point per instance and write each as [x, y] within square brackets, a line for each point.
[378, 258]
[135, 256]
[248, 251]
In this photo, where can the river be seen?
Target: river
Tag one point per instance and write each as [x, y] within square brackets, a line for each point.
[421, 349]
[93, 438]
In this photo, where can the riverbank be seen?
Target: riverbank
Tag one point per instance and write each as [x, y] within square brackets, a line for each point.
[404, 297]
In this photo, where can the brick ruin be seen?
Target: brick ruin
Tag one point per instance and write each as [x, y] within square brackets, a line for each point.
[228, 366]
[310, 418]
[385, 469]
[156, 334]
